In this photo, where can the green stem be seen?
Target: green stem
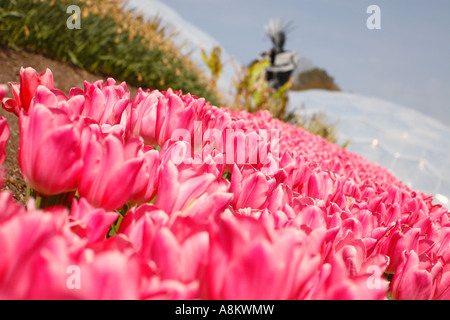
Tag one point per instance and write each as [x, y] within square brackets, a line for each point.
[38, 202]
[114, 228]
[44, 201]
[28, 193]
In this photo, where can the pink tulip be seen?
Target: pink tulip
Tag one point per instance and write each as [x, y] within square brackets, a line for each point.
[271, 219]
[334, 283]
[353, 252]
[180, 259]
[411, 282]
[144, 107]
[296, 172]
[34, 256]
[320, 186]
[24, 91]
[213, 119]
[309, 219]
[109, 171]
[57, 99]
[193, 193]
[280, 198]
[248, 262]
[42, 260]
[250, 187]
[90, 223]
[437, 241]
[104, 103]
[140, 226]
[50, 150]
[442, 291]
[155, 116]
[177, 115]
[111, 275]
[146, 183]
[396, 241]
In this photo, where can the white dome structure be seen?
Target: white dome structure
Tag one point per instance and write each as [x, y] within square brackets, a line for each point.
[414, 147]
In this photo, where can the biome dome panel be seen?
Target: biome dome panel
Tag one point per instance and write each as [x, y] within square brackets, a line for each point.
[410, 144]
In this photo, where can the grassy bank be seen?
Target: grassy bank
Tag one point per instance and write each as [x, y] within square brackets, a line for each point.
[110, 41]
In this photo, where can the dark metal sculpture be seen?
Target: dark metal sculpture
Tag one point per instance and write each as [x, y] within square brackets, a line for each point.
[282, 62]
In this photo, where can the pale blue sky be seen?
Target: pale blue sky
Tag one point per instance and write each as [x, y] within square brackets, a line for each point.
[407, 61]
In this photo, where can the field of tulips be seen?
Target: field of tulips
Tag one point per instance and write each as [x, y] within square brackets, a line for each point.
[165, 196]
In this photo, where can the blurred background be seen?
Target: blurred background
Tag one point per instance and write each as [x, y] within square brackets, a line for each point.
[406, 61]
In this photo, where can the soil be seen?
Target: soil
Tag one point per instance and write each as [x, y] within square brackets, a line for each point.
[65, 77]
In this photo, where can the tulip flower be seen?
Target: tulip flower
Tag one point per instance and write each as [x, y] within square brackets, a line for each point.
[309, 218]
[154, 116]
[247, 262]
[34, 256]
[250, 187]
[175, 115]
[144, 109]
[442, 291]
[320, 186]
[109, 173]
[411, 282]
[111, 275]
[50, 150]
[179, 259]
[396, 241]
[146, 183]
[193, 193]
[140, 225]
[24, 91]
[334, 283]
[90, 222]
[103, 103]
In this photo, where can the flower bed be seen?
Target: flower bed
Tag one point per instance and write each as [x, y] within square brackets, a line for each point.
[164, 196]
